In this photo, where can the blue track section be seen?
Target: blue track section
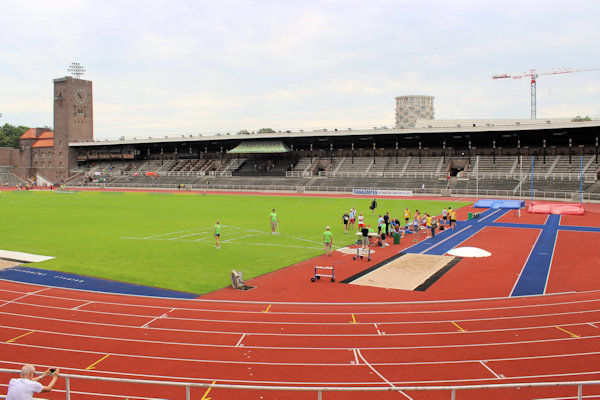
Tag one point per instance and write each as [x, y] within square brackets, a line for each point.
[535, 273]
[62, 279]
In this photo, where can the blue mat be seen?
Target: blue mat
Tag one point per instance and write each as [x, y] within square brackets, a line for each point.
[500, 203]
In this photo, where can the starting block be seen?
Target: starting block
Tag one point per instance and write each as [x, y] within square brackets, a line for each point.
[237, 281]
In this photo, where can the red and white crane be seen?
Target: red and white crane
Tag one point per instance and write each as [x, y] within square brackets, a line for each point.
[534, 75]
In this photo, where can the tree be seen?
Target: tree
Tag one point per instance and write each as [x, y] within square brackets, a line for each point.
[10, 134]
[266, 130]
[243, 132]
[581, 119]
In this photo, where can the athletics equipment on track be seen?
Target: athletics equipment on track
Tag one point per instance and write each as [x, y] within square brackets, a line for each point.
[323, 273]
[556, 208]
[358, 255]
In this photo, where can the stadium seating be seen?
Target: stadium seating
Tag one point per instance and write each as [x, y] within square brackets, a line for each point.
[500, 175]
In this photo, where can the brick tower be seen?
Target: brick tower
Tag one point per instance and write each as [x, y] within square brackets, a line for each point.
[73, 116]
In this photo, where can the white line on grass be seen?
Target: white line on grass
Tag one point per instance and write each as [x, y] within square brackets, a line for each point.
[191, 234]
[232, 230]
[172, 233]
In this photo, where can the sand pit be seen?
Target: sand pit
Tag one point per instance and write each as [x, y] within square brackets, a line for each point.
[8, 263]
[408, 272]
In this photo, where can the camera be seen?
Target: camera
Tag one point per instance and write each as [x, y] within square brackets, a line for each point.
[52, 370]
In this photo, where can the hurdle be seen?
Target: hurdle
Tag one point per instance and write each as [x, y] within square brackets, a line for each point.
[358, 255]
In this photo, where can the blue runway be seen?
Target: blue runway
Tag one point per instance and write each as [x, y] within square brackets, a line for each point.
[534, 276]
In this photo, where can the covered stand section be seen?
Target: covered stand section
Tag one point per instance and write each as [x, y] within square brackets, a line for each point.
[266, 157]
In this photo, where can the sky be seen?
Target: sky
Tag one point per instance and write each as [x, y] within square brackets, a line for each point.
[166, 68]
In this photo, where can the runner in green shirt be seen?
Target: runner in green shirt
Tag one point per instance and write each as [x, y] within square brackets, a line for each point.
[217, 232]
[327, 240]
[274, 221]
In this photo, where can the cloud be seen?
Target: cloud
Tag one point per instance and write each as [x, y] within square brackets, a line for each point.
[208, 65]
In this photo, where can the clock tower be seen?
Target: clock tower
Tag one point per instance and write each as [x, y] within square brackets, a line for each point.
[73, 115]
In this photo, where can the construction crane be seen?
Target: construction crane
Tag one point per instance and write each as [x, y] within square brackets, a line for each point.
[534, 75]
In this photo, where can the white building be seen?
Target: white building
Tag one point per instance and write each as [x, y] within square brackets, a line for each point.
[411, 108]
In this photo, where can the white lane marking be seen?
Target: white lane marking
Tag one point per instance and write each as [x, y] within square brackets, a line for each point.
[379, 304]
[377, 329]
[81, 305]
[162, 316]
[380, 375]
[22, 297]
[484, 363]
[239, 343]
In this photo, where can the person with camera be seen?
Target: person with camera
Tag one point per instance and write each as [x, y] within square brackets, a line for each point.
[24, 387]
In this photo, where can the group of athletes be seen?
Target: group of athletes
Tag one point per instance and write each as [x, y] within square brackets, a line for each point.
[386, 225]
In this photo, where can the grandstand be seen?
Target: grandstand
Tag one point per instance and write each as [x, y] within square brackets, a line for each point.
[499, 176]
[449, 159]
[492, 159]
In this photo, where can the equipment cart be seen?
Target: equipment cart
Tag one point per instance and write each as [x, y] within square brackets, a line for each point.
[324, 271]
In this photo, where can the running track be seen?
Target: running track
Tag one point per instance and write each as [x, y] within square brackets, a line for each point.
[466, 329]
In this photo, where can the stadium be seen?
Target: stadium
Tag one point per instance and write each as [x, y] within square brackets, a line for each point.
[110, 271]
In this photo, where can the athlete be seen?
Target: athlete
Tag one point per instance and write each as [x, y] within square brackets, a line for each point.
[452, 215]
[380, 224]
[327, 240]
[406, 216]
[352, 220]
[428, 224]
[217, 233]
[345, 220]
[274, 221]
[361, 221]
[373, 206]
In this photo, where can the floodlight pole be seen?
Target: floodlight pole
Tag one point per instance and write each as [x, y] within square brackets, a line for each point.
[520, 177]
[581, 182]
[477, 178]
[76, 69]
[532, 165]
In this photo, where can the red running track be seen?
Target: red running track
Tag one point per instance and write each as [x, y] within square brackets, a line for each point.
[289, 331]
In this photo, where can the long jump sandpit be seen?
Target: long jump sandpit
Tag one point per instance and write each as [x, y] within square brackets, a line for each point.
[405, 271]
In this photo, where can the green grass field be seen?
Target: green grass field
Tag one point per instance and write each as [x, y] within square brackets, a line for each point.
[165, 240]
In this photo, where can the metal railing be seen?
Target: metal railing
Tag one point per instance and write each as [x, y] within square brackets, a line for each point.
[526, 193]
[442, 175]
[298, 174]
[537, 176]
[317, 390]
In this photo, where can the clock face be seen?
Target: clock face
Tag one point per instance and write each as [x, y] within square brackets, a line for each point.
[80, 96]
